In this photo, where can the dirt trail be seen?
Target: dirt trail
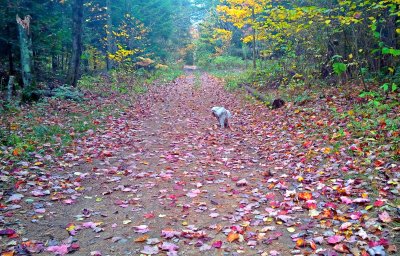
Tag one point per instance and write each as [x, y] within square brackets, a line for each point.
[164, 179]
[177, 172]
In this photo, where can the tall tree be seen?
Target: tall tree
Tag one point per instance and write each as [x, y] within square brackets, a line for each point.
[25, 39]
[110, 38]
[243, 14]
[77, 21]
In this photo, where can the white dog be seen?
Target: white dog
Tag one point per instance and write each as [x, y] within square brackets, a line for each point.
[222, 116]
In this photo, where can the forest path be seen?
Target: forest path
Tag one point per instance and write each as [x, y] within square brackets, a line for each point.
[174, 170]
[163, 178]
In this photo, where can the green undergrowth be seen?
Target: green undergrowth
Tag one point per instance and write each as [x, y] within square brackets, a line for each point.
[127, 81]
[232, 78]
[42, 129]
[49, 126]
[197, 80]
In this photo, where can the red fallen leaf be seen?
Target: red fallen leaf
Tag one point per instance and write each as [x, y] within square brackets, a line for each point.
[356, 215]
[385, 217]
[341, 248]
[346, 200]
[217, 244]
[304, 195]
[335, 239]
[384, 242]
[18, 183]
[307, 144]
[172, 196]
[169, 233]
[59, 249]
[378, 163]
[149, 215]
[7, 232]
[311, 205]
[68, 201]
[331, 205]
[74, 247]
[270, 196]
[355, 148]
[379, 203]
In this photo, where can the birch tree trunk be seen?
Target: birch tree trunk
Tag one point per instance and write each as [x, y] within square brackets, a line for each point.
[10, 88]
[25, 43]
[110, 41]
[77, 18]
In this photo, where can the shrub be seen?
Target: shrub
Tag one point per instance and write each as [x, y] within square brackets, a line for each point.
[67, 92]
[226, 62]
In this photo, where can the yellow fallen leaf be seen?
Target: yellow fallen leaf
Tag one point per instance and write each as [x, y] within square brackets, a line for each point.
[126, 222]
[14, 127]
[327, 150]
[291, 229]
[368, 207]
[268, 219]
[70, 227]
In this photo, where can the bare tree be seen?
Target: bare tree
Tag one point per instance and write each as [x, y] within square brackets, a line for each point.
[25, 44]
[77, 20]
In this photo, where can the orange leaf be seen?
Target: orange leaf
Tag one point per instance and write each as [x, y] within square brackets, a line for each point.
[305, 196]
[142, 239]
[307, 144]
[16, 152]
[313, 245]
[10, 253]
[300, 242]
[232, 236]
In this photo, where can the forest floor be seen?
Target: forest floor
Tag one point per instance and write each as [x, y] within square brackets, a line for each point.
[161, 178]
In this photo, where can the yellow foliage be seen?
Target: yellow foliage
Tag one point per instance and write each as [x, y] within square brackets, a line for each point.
[121, 54]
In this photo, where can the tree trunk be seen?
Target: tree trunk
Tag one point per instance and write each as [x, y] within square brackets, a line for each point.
[110, 41]
[254, 93]
[10, 53]
[77, 18]
[254, 41]
[10, 88]
[94, 62]
[25, 42]
[54, 63]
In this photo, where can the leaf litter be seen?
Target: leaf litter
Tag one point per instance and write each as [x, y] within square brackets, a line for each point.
[161, 178]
